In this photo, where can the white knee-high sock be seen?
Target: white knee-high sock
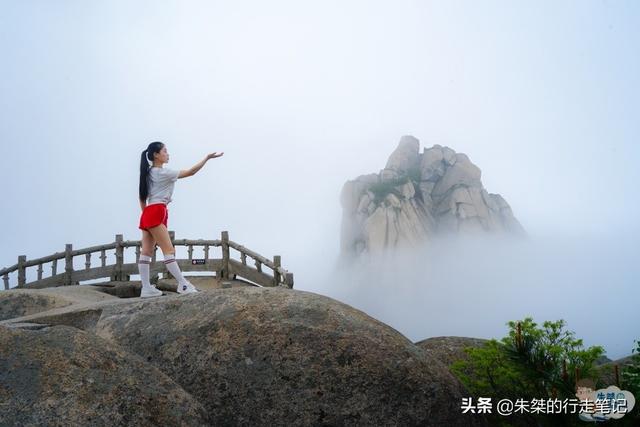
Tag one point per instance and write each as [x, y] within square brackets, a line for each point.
[172, 265]
[143, 266]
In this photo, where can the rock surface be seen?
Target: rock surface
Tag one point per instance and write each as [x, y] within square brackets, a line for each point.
[449, 349]
[64, 376]
[275, 356]
[418, 196]
[262, 356]
[18, 304]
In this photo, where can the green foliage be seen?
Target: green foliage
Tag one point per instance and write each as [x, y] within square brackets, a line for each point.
[631, 381]
[490, 371]
[631, 373]
[380, 190]
[530, 362]
[551, 354]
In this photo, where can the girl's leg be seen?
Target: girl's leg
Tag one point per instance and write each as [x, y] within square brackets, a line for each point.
[161, 234]
[148, 243]
[144, 263]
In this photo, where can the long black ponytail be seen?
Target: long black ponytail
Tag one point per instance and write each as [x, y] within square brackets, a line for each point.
[145, 158]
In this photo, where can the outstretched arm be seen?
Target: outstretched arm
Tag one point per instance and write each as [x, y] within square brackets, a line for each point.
[190, 172]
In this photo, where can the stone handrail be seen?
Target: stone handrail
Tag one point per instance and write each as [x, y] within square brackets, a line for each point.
[225, 267]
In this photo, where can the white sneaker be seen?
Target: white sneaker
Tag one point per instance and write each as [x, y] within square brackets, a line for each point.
[187, 288]
[150, 291]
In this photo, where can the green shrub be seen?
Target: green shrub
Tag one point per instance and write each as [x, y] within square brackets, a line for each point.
[631, 373]
[530, 362]
[631, 382]
[381, 189]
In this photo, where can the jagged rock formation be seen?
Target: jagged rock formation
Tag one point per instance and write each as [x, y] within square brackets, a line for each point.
[241, 356]
[417, 196]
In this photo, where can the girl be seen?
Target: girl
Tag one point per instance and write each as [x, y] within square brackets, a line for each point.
[156, 188]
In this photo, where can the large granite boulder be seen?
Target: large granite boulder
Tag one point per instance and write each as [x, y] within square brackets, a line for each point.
[239, 356]
[275, 356]
[417, 197]
[63, 376]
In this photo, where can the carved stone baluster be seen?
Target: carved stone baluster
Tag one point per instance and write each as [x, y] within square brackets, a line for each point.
[276, 273]
[190, 250]
[225, 255]
[138, 252]
[40, 271]
[22, 276]
[103, 258]
[54, 267]
[206, 252]
[68, 264]
[5, 279]
[259, 266]
[87, 262]
[119, 256]
[289, 280]
[243, 258]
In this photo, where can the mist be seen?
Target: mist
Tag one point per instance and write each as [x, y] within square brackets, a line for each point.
[471, 286]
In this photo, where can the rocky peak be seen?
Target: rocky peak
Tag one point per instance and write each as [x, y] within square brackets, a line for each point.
[406, 157]
[418, 196]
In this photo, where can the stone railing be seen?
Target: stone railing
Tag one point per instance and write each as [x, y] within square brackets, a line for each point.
[225, 267]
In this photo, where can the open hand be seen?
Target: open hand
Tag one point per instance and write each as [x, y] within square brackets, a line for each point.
[214, 155]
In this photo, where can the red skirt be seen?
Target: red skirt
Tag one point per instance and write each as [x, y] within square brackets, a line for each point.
[154, 215]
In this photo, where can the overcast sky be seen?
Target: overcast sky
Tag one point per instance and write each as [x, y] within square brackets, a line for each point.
[302, 96]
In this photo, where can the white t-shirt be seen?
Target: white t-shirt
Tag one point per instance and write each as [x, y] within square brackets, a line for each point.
[160, 184]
